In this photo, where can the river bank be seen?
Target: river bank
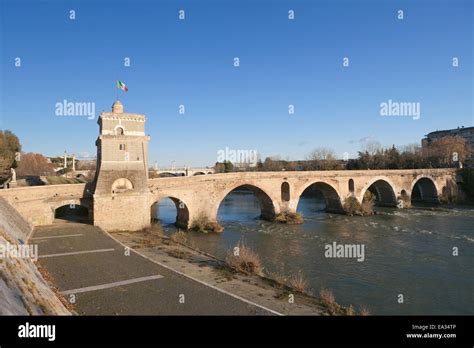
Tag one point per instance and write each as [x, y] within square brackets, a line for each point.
[407, 251]
[263, 290]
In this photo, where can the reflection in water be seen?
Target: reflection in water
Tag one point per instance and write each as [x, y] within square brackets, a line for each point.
[407, 252]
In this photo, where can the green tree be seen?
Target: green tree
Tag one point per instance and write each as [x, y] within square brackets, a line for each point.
[228, 167]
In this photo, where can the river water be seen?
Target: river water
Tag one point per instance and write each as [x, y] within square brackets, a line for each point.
[407, 252]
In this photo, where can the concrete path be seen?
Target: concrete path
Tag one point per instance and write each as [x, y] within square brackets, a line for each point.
[86, 263]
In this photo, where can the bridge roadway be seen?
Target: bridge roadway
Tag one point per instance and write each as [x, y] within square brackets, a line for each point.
[85, 261]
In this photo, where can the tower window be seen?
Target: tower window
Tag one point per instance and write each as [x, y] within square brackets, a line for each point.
[122, 147]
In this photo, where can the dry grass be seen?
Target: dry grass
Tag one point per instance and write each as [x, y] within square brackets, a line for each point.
[277, 278]
[246, 262]
[329, 301]
[180, 254]
[299, 282]
[61, 180]
[350, 311]
[180, 237]
[327, 297]
[363, 310]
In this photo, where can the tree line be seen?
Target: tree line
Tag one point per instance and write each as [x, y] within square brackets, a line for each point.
[449, 151]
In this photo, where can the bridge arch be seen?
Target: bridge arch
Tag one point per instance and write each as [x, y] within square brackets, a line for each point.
[267, 206]
[424, 189]
[329, 192]
[383, 190]
[199, 173]
[182, 211]
[167, 175]
[76, 210]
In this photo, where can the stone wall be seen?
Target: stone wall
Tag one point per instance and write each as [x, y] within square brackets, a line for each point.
[23, 291]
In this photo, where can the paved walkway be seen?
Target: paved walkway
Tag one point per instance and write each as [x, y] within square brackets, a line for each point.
[85, 262]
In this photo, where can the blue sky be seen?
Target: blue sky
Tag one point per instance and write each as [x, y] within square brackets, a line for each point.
[190, 62]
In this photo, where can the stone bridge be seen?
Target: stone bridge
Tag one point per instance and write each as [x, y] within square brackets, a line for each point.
[184, 171]
[201, 196]
[121, 197]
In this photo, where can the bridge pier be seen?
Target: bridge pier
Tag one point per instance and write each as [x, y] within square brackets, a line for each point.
[129, 212]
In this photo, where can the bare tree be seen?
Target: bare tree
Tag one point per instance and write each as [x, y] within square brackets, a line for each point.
[34, 164]
[322, 158]
[448, 150]
[372, 147]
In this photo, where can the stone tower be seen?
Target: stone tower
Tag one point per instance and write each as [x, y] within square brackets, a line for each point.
[121, 195]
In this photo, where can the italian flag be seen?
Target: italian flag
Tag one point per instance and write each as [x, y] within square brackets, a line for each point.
[122, 86]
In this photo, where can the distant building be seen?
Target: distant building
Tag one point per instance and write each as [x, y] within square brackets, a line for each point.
[466, 133]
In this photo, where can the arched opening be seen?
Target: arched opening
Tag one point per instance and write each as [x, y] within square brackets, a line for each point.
[245, 203]
[424, 191]
[209, 173]
[167, 175]
[319, 196]
[170, 211]
[382, 193]
[122, 185]
[199, 173]
[285, 192]
[351, 185]
[119, 131]
[72, 212]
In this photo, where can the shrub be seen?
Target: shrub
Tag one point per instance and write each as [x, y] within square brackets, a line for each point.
[289, 218]
[405, 199]
[298, 282]
[368, 203]
[246, 262]
[352, 206]
[203, 224]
